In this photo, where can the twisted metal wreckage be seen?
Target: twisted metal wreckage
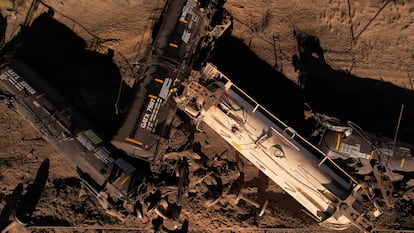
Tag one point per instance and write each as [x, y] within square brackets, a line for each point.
[305, 170]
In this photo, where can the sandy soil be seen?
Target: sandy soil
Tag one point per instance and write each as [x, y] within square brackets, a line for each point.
[362, 37]
[369, 39]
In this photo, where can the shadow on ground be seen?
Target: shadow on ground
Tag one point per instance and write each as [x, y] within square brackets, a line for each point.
[29, 200]
[11, 203]
[372, 104]
[273, 89]
[90, 80]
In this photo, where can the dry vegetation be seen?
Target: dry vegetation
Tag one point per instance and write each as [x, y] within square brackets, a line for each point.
[370, 39]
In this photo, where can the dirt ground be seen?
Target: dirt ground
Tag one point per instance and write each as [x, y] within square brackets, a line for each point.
[369, 40]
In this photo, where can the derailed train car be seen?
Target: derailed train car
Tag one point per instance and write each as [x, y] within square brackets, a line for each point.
[386, 165]
[327, 192]
[102, 168]
[101, 165]
[190, 28]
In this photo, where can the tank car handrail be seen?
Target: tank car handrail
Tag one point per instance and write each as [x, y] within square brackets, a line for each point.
[230, 84]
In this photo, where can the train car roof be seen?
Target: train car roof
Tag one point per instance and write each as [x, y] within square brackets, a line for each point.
[175, 35]
[151, 112]
[149, 115]
[64, 127]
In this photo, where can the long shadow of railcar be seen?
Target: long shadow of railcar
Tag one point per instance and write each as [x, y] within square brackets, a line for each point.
[3, 26]
[374, 105]
[10, 205]
[89, 79]
[272, 89]
[29, 200]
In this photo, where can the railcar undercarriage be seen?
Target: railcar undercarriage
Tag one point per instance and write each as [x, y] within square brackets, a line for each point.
[334, 194]
[340, 175]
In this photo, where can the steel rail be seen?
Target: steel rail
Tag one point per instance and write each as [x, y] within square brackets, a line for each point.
[140, 229]
[227, 229]
[300, 229]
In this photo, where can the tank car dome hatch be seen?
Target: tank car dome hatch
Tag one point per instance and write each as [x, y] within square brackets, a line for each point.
[322, 187]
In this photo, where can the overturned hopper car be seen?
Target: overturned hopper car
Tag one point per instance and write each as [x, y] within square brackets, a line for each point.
[103, 170]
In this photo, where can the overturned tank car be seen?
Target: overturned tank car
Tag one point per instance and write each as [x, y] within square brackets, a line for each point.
[385, 166]
[326, 191]
[186, 34]
[108, 167]
[103, 169]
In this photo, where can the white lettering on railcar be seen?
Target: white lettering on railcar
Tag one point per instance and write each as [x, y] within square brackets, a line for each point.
[147, 114]
[188, 9]
[91, 141]
[165, 90]
[104, 155]
[17, 81]
[186, 36]
[149, 119]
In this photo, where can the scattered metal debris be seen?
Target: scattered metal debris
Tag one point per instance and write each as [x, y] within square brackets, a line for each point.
[343, 177]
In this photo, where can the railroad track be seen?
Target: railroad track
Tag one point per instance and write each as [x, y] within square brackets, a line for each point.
[223, 230]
